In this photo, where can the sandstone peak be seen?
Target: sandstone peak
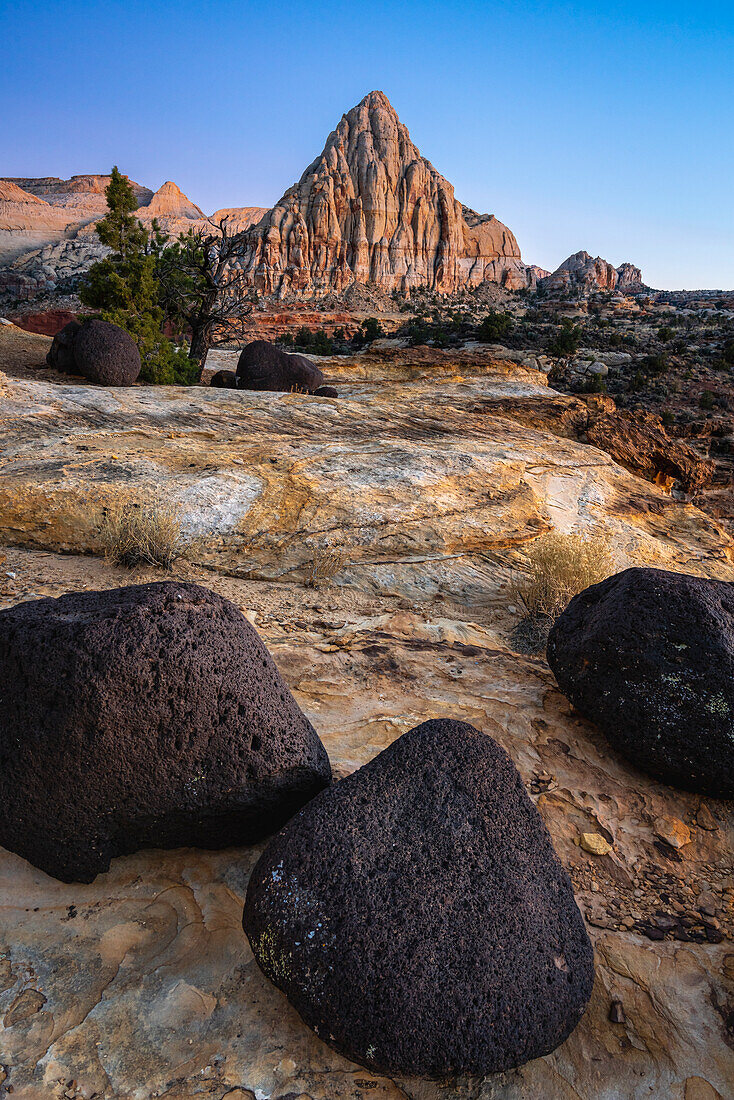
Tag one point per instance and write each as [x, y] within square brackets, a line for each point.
[371, 209]
[170, 201]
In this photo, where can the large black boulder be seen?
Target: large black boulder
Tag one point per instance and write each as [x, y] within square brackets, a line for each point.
[417, 916]
[149, 716]
[60, 355]
[261, 366]
[106, 354]
[648, 656]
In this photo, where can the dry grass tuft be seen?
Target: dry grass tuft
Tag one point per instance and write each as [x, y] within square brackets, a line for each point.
[147, 532]
[325, 565]
[559, 567]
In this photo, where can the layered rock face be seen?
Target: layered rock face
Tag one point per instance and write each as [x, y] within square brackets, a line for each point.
[38, 212]
[371, 209]
[48, 226]
[589, 273]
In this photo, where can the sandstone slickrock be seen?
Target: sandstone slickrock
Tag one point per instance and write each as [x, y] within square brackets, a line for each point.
[371, 209]
[417, 916]
[60, 355]
[648, 655]
[106, 354]
[147, 716]
[262, 366]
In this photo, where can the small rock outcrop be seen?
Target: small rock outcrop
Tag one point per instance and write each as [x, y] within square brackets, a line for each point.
[417, 916]
[106, 354]
[262, 366]
[224, 380]
[60, 355]
[148, 716]
[370, 209]
[648, 656]
[588, 274]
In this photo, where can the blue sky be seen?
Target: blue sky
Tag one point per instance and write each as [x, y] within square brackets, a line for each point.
[609, 128]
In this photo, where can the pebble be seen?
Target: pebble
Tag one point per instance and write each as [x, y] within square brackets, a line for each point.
[706, 902]
[595, 844]
[672, 831]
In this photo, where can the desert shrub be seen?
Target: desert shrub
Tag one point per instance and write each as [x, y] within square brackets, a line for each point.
[655, 364]
[369, 330]
[566, 339]
[494, 327]
[558, 567]
[665, 333]
[706, 399]
[147, 532]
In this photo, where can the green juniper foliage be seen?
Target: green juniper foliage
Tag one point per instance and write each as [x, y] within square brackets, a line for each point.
[124, 287]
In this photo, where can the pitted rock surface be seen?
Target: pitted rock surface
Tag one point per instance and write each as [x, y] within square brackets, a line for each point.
[224, 380]
[648, 655]
[106, 354]
[417, 916]
[261, 366]
[148, 716]
[61, 353]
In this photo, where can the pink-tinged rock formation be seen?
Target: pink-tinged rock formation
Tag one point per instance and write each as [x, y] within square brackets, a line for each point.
[589, 273]
[169, 201]
[239, 217]
[371, 209]
[35, 213]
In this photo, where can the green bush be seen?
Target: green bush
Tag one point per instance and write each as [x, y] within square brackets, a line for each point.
[566, 339]
[707, 399]
[494, 327]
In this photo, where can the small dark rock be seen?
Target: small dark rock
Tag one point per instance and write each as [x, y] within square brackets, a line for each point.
[652, 932]
[418, 917]
[60, 355]
[649, 656]
[224, 380]
[326, 391]
[148, 716]
[262, 366]
[106, 354]
[616, 1013]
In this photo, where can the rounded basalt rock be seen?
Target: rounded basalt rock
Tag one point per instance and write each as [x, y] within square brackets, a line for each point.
[648, 656]
[417, 916]
[106, 354]
[224, 380]
[60, 355]
[326, 391]
[148, 716]
[262, 366]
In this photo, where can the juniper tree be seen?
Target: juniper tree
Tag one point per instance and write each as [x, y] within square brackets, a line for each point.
[125, 287]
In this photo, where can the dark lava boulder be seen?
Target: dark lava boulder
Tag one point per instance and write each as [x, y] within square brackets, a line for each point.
[149, 716]
[224, 380]
[417, 916]
[106, 354]
[60, 355]
[648, 656]
[261, 366]
[326, 391]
